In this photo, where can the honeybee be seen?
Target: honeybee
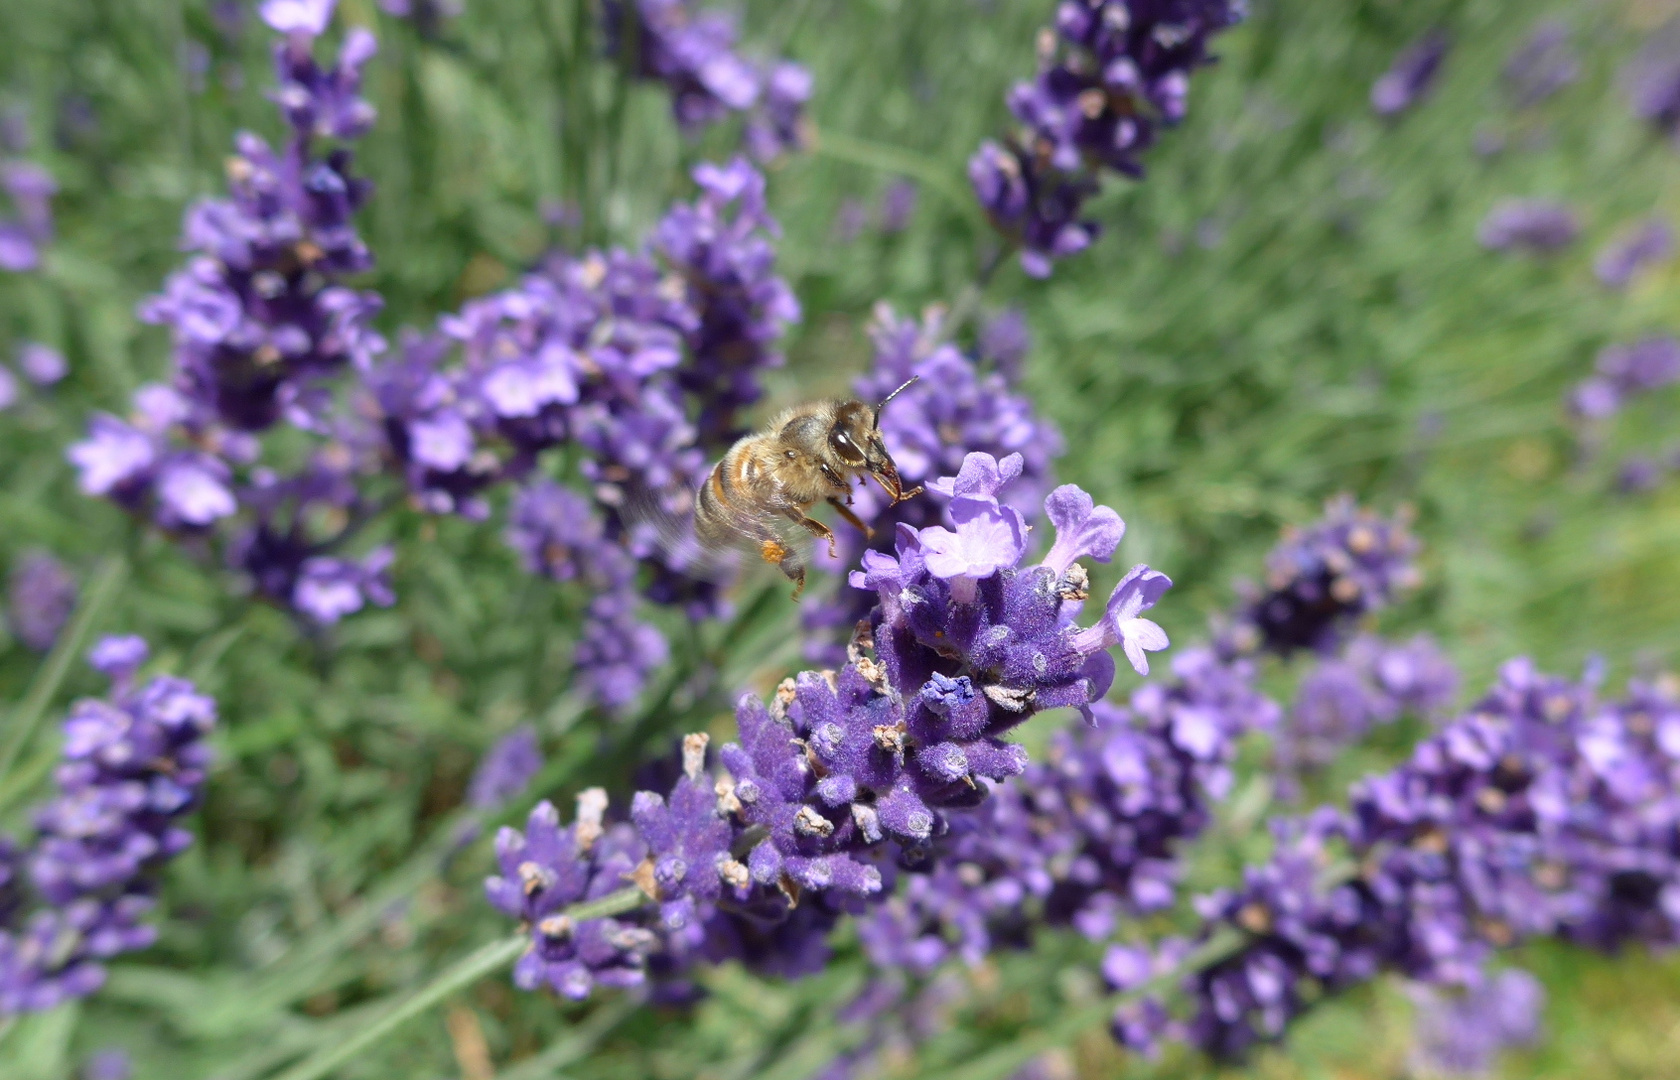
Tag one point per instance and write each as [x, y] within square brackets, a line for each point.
[758, 496]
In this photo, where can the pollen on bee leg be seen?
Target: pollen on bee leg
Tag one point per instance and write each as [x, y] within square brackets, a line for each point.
[773, 551]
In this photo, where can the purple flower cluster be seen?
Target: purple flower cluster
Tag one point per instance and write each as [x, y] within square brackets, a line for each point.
[1623, 372]
[1411, 76]
[511, 763]
[1540, 812]
[259, 319]
[720, 246]
[1652, 81]
[693, 53]
[965, 644]
[1542, 65]
[1644, 244]
[957, 406]
[22, 237]
[1461, 1034]
[559, 537]
[1342, 698]
[1091, 833]
[133, 766]
[40, 595]
[1110, 74]
[1321, 579]
[1540, 226]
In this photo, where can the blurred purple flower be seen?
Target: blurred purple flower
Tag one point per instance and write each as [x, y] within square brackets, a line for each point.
[1412, 75]
[898, 204]
[109, 1064]
[8, 389]
[506, 769]
[693, 53]
[329, 588]
[1544, 64]
[1623, 372]
[1461, 1034]
[40, 596]
[134, 765]
[1111, 74]
[1648, 242]
[1319, 580]
[1533, 225]
[31, 189]
[42, 365]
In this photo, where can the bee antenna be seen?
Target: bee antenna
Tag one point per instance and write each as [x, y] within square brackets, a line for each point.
[890, 396]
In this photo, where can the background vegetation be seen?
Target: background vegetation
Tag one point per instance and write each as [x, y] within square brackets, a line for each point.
[1292, 305]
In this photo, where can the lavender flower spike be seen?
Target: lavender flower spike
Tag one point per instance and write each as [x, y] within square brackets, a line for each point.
[1412, 75]
[40, 596]
[1649, 242]
[134, 765]
[1533, 225]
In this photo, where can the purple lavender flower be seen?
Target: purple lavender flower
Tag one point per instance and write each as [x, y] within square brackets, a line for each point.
[720, 246]
[544, 870]
[560, 537]
[693, 53]
[40, 596]
[427, 16]
[42, 365]
[8, 389]
[1533, 225]
[1035, 209]
[1462, 1034]
[1538, 812]
[1626, 371]
[1639, 474]
[890, 749]
[1004, 342]
[133, 766]
[506, 768]
[779, 125]
[260, 319]
[1542, 65]
[898, 204]
[1372, 682]
[1652, 80]
[328, 587]
[1323, 578]
[31, 189]
[1648, 242]
[1110, 75]
[1412, 75]
[108, 1064]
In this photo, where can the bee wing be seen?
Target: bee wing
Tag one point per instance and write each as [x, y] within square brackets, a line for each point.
[655, 526]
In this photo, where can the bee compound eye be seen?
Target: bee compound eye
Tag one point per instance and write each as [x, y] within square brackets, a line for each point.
[845, 447]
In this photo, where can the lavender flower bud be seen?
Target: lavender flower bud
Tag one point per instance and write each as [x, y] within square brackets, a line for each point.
[40, 596]
[1539, 226]
[1411, 76]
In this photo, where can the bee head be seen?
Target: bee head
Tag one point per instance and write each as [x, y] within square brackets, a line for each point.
[856, 440]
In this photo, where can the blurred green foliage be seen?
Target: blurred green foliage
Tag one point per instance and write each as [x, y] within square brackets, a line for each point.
[1292, 305]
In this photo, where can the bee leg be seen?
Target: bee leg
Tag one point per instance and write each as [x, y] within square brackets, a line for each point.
[845, 509]
[816, 529]
[786, 560]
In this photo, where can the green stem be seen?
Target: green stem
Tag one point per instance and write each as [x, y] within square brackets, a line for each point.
[893, 159]
[21, 725]
[465, 972]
